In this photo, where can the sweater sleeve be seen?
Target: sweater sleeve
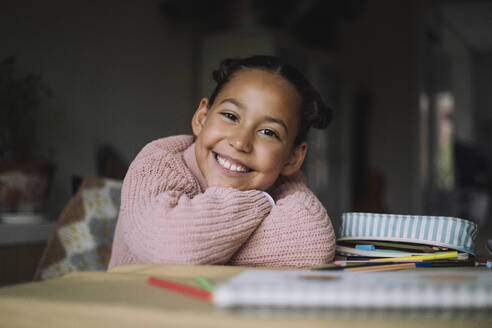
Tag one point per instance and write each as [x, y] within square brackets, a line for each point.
[164, 219]
[297, 232]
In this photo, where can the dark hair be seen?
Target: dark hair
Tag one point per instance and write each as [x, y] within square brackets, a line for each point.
[314, 112]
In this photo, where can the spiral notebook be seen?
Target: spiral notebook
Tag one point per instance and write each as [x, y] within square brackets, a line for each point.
[406, 290]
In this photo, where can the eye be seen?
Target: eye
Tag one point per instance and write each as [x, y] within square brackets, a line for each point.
[230, 116]
[269, 133]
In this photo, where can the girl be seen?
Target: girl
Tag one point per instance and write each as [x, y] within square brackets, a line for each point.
[233, 193]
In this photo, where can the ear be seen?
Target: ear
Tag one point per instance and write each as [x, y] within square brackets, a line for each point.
[199, 117]
[295, 160]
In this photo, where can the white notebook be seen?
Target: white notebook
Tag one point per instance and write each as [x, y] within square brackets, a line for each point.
[413, 289]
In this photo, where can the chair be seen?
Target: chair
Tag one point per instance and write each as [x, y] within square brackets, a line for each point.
[84, 232]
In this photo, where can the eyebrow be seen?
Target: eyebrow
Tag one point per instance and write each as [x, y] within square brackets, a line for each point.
[234, 102]
[276, 120]
[268, 118]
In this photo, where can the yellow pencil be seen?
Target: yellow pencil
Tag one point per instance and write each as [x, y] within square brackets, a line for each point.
[429, 257]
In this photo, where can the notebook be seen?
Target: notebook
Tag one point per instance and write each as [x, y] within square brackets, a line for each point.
[412, 289]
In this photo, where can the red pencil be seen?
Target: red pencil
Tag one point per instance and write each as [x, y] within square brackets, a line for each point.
[180, 288]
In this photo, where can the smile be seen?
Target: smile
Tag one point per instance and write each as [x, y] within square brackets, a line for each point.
[227, 164]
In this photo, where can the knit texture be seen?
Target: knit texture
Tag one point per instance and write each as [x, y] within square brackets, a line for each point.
[168, 215]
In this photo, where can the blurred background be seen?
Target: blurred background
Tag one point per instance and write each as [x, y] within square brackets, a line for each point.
[409, 81]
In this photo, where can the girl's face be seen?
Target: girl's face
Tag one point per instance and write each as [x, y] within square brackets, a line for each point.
[245, 140]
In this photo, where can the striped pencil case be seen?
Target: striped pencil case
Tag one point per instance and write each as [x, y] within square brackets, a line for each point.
[443, 231]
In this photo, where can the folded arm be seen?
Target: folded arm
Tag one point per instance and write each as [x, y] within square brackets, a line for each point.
[164, 221]
[297, 232]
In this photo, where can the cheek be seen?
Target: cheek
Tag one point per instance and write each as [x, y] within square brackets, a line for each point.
[271, 158]
[209, 136]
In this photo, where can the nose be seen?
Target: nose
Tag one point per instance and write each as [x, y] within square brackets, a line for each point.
[241, 140]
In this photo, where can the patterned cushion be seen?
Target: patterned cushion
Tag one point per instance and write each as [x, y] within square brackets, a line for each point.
[84, 232]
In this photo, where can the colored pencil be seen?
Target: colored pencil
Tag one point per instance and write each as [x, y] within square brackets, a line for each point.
[345, 262]
[341, 267]
[429, 257]
[388, 267]
[445, 263]
[180, 288]
[204, 283]
[423, 248]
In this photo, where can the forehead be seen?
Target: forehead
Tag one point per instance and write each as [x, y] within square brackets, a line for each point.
[262, 78]
[256, 87]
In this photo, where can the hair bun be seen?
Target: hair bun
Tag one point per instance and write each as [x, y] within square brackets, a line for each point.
[322, 113]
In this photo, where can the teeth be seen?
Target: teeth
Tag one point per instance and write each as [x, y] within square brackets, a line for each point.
[228, 165]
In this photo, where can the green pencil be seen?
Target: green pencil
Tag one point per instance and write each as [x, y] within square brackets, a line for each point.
[204, 283]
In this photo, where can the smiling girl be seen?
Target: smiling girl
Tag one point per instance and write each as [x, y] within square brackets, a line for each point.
[233, 193]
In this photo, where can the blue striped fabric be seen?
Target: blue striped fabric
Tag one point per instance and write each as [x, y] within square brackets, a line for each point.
[441, 231]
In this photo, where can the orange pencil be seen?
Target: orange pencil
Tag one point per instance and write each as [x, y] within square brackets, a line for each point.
[389, 267]
[180, 288]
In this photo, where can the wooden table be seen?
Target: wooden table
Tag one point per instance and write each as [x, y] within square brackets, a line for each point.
[122, 298]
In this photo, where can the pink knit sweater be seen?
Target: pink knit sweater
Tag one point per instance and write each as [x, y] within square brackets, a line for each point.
[168, 215]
